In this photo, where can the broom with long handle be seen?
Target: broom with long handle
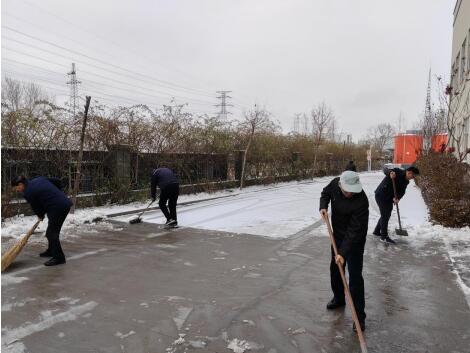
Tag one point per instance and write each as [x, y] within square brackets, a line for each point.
[138, 219]
[13, 252]
[362, 340]
[399, 230]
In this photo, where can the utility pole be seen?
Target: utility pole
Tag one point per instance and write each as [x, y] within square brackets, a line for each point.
[223, 95]
[80, 157]
[73, 90]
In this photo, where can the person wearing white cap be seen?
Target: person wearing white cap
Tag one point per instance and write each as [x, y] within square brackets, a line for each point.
[349, 218]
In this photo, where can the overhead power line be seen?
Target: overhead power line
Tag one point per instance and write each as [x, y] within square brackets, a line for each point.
[144, 76]
[107, 78]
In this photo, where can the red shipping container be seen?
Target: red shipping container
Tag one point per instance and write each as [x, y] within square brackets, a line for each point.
[407, 148]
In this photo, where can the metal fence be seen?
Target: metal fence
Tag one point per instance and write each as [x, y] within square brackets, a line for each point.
[98, 167]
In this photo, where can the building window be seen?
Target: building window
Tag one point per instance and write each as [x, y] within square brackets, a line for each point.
[468, 52]
[452, 76]
[463, 59]
[465, 135]
[456, 72]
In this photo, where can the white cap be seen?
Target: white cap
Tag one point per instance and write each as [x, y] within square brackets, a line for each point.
[350, 182]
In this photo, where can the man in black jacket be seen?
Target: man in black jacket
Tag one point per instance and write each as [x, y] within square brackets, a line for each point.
[45, 197]
[166, 180]
[349, 218]
[385, 197]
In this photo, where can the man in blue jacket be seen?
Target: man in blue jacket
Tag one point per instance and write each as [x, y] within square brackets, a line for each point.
[169, 186]
[385, 197]
[46, 198]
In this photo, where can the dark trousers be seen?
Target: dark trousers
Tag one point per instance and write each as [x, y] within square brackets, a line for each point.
[56, 220]
[356, 282]
[386, 208]
[169, 194]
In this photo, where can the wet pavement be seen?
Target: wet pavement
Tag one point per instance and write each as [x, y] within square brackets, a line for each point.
[139, 288]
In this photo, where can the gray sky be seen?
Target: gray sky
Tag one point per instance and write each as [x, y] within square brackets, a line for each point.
[368, 59]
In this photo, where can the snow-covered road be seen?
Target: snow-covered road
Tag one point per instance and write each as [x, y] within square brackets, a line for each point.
[275, 212]
[205, 285]
[284, 210]
[279, 211]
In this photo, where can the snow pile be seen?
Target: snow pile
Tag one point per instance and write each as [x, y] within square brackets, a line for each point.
[457, 245]
[18, 226]
[238, 346]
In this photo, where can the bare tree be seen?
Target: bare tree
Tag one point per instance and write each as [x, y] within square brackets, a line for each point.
[12, 92]
[17, 95]
[456, 105]
[323, 124]
[255, 120]
[380, 135]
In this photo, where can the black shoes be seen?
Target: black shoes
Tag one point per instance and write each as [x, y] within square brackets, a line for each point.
[387, 239]
[54, 262]
[171, 223]
[45, 254]
[335, 304]
[362, 323]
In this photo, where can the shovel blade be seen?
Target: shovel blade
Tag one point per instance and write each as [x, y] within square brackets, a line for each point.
[402, 232]
[135, 220]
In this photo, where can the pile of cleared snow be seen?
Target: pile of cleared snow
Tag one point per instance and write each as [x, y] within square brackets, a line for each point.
[17, 226]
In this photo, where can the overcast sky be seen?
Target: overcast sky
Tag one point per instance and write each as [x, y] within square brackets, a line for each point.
[367, 59]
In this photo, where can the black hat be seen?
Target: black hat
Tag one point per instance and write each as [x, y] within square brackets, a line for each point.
[413, 169]
[20, 179]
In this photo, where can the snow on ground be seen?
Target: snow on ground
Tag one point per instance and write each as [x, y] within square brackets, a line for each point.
[414, 215]
[277, 211]
[17, 226]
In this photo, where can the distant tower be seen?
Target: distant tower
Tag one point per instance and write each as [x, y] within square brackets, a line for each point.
[223, 95]
[296, 123]
[305, 124]
[427, 108]
[73, 90]
[428, 118]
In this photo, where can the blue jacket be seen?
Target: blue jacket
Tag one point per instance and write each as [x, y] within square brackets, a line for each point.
[161, 177]
[45, 197]
[385, 189]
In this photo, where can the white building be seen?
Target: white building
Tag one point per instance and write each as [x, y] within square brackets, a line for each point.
[460, 79]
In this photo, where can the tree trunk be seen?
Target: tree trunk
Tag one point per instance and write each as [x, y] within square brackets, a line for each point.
[314, 168]
[80, 156]
[242, 176]
[136, 180]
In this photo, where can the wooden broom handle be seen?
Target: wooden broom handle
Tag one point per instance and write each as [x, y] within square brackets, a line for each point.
[362, 340]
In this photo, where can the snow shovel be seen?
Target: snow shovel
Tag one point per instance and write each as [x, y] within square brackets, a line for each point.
[362, 340]
[138, 219]
[13, 252]
[399, 230]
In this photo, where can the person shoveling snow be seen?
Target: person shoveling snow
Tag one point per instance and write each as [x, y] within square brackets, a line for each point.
[389, 192]
[169, 186]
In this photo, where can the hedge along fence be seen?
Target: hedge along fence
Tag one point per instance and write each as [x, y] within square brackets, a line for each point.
[106, 176]
[445, 185]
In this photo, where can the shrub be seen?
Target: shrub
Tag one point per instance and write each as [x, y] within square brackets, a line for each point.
[445, 185]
